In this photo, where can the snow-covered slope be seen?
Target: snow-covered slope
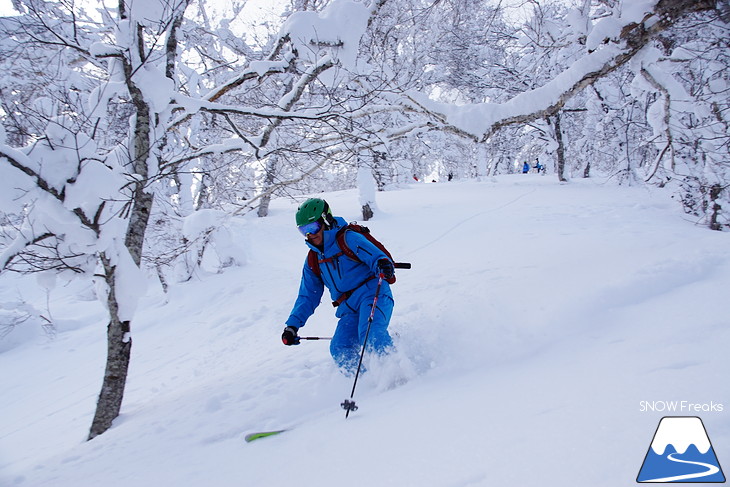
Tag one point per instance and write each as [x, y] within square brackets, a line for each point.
[536, 319]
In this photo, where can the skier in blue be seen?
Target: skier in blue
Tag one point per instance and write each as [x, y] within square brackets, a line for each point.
[539, 167]
[352, 285]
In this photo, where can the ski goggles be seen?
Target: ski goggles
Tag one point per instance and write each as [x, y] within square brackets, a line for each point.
[310, 228]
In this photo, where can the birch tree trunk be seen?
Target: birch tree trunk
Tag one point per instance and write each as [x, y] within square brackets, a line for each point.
[269, 180]
[119, 348]
[561, 148]
[366, 190]
[119, 341]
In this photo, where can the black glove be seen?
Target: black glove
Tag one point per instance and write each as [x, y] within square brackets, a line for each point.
[290, 337]
[386, 268]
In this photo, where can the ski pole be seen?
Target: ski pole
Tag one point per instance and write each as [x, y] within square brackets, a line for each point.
[348, 404]
[315, 338]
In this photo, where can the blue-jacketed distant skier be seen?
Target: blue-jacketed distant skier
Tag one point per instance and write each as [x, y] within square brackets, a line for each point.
[351, 283]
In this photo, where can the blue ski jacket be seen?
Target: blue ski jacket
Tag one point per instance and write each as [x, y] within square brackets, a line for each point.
[339, 275]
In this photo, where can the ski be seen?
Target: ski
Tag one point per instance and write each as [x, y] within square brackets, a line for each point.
[262, 434]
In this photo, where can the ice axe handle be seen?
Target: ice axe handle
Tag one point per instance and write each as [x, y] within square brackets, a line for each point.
[402, 265]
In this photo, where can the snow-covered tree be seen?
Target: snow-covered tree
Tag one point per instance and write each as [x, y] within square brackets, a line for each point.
[118, 114]
[83, 205]
[686, 79]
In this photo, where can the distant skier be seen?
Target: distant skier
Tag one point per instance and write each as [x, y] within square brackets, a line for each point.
[352, 285]
[525, 168]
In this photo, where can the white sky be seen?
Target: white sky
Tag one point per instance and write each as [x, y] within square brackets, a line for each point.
[6, 8]
[258, 7]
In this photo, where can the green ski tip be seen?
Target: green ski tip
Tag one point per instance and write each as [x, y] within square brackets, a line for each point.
[263, 434]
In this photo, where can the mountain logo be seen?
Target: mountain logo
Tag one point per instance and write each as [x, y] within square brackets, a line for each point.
[680, 452]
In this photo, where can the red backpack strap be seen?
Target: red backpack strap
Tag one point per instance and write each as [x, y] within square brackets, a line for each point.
[365, 232]
[313, 260]
[342, 243]
[344, 296]
[313, 263]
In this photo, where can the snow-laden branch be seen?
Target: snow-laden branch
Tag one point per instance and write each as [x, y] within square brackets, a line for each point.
[231, 145]
[256, 70]
[293, 96]
[24, 164]
[306, 114]
[339, 25]
[624, 37]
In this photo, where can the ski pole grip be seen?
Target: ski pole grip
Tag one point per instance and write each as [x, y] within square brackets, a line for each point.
[402, 265]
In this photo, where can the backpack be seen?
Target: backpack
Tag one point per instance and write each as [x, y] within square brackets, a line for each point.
[313, 260]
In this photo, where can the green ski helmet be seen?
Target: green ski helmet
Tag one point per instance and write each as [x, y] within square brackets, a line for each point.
[312, 210]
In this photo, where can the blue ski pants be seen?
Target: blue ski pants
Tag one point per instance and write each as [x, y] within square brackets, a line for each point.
[352, 327]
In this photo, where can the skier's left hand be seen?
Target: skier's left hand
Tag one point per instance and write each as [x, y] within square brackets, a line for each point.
[386, 268]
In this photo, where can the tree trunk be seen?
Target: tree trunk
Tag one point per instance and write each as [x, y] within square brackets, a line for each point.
[142, 200]
[119, 346]
[380, 170]
[119, 341]
[715, 207]
[366, 186]
[367, 212]
[203, 193]
[269, 180]
[561, 149]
